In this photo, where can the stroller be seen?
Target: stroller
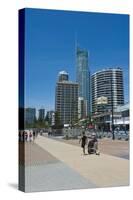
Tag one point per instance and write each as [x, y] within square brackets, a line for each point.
[93, 146]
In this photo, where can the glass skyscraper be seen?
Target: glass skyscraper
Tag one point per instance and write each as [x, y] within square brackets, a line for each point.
[41, 116]
[30, 115]
[83, 75]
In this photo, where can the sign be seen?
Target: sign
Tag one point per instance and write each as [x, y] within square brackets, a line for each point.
[102, 100]
[90, 126]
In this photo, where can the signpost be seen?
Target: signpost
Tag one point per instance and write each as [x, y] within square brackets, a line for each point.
[102, 100]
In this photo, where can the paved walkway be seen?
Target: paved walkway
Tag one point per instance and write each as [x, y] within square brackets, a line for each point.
[102, 171]
[44, 172]
[34, 155]
[54, 176]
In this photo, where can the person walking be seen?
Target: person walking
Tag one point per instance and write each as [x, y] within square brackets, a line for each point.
[30, 136]
[25, 136]
[83, 141]
[34, 135]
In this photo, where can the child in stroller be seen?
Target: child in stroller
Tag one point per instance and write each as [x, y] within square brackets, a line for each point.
[93, 145]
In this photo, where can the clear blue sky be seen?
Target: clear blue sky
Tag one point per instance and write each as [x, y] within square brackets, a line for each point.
[50, 48]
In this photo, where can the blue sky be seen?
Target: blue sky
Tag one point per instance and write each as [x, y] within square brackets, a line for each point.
[50, 47]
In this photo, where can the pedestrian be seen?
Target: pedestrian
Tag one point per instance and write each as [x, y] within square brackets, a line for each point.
[41, 132]
[25, 136]
[30, 135]
[83, 141]
[19, 136]
[34, 135]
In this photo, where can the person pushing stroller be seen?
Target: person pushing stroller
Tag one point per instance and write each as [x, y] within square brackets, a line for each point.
[93, 145]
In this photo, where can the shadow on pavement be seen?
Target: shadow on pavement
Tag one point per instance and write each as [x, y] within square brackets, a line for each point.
[13, 185]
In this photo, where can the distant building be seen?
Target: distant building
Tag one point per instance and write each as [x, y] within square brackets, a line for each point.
[82, 108]
[30, 115]
[107, 84]
[83, 75]
[41, 115]
[53, 119]
[50, 117]
[66, 99]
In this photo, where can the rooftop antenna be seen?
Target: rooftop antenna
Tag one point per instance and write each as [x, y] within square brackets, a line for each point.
[76, 41]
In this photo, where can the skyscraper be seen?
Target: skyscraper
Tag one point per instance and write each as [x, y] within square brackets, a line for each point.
[107, 83]
[50, 116]
[66, 100]
[83, 75]
[30, 115]
[41, 116]
[82, 108]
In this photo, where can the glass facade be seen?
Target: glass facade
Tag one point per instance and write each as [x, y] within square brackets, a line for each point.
[41, 114]
[30, 115]
[82, 75]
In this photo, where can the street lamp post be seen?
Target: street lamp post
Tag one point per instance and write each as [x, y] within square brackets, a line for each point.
[112, 109]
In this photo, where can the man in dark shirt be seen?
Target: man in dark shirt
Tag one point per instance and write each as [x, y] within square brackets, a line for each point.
[83, 141]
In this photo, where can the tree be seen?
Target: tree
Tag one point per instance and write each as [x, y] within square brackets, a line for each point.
[57, 121]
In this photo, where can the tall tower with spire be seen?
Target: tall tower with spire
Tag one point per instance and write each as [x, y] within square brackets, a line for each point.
[83, 76]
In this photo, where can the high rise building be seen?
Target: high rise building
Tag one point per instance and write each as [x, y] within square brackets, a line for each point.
[83, 75]
[41, 115]
[66, 100]
[30, 115]
[82, 108]
[50, 116]
[107, 83]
